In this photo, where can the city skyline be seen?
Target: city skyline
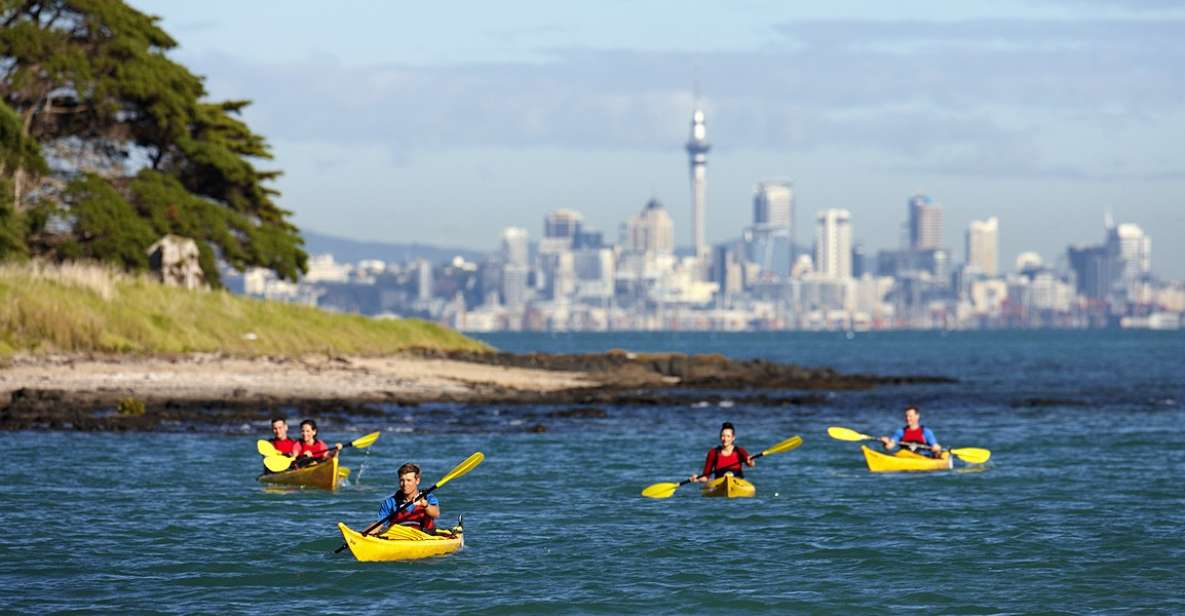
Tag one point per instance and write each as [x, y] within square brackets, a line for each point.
[518, 113]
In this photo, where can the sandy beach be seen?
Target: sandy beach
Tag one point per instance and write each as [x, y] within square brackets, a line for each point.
[212, 377]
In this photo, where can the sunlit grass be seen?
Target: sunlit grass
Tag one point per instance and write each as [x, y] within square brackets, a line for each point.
[79, 307]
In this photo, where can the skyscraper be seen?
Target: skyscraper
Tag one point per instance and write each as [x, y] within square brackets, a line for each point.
[773, 204]
[514, 246]
[983, 240]
[652, 230]
[833, 244]
[925, 223]
[697, 152]
[768, 242]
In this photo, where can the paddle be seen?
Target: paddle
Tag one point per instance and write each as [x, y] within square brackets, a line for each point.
[266, 448]
[666, 490]
[970, 455]
[459, 470]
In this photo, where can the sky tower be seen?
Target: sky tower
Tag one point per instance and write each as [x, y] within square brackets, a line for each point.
[697, 153]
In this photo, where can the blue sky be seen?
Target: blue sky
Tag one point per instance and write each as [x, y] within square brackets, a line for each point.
[443, 124]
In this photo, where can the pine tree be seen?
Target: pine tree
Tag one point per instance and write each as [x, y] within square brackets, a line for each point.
[106, 144]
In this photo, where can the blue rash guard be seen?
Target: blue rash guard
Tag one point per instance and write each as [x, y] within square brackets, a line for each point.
[387, 509]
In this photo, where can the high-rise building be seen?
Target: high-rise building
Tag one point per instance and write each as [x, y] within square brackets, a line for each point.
[562, 223]
[652, 230]
[1132, 248]
[833, 244]
[423, 280]
[773, 204]
[697, 152]
[514, 246]
[925, 223]
[983, 240]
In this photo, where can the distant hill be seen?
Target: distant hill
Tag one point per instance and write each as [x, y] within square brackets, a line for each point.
[349, 251]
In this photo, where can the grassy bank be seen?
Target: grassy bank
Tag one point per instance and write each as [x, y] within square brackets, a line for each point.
[90, 308]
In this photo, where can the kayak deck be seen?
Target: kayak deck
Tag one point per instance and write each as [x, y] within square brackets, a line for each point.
[326, 475]
[905, 460]
[729, 486]
[401, 543]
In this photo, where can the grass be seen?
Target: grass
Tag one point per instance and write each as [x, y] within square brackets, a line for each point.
[77, 308]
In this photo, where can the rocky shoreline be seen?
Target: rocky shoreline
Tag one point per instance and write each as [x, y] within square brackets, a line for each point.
[173, 393]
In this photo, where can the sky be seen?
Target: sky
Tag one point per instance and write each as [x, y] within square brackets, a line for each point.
[444, 123]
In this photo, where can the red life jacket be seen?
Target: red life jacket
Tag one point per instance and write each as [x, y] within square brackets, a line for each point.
[285, 446]
[418, 516]
[318, 449]
[910, 435]
[732, 463]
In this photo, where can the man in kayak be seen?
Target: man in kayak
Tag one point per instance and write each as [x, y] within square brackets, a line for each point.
[913, 435]
[726, 458]
[280, 439]
[407, 507]
[310, 449]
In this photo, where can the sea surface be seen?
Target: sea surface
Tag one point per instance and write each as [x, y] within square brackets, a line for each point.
[1081, 509]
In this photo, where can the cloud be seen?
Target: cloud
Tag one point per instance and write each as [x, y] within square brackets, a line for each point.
[968, 96]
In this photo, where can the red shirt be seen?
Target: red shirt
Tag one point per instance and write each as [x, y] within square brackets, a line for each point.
[318, 449]
[285, 446]
[731, 463]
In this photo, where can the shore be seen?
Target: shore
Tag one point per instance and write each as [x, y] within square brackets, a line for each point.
[120, 392]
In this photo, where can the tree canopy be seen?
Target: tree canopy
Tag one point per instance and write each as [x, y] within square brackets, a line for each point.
[106, 144]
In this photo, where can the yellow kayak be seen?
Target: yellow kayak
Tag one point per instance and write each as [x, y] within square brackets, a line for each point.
[402, 543]
[326, 475]
[729, 486]
[905, 460]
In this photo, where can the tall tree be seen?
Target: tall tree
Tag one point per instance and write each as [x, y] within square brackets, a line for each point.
[89, 82]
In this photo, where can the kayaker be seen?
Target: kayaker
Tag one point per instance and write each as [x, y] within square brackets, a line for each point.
[725, 458]
[310, 449]
[913, 435]
[280, 439]
[406, 507]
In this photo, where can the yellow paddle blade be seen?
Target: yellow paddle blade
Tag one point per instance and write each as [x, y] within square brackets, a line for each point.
[785, 445]
[277, 463]
[365, 441]
[660, 490]
[266, 448]
[342, 472]
[469, 464]
[972, 455]
[847, 434]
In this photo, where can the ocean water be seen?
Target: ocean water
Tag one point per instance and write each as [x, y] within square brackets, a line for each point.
[1081, 509]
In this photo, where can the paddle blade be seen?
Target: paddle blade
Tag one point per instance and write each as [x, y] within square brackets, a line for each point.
[461, 469]
[277, 463]
[785, 445]
[972, 455]
[660, 490]
[847, 434]
[365, 441]
[266, 448]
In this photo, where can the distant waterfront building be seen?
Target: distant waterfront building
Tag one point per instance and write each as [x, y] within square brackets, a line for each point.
[925, 223]
[697, 152]
[833, 244]
[652, 230]
[982, 245]
[1133, 250]
[773, 204]
[515, 246]
[424, 280]
[562, 223]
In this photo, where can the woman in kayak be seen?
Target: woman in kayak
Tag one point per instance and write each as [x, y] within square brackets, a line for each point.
[310, 449]
[726, 458]
[914, 435]
[406, 506]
